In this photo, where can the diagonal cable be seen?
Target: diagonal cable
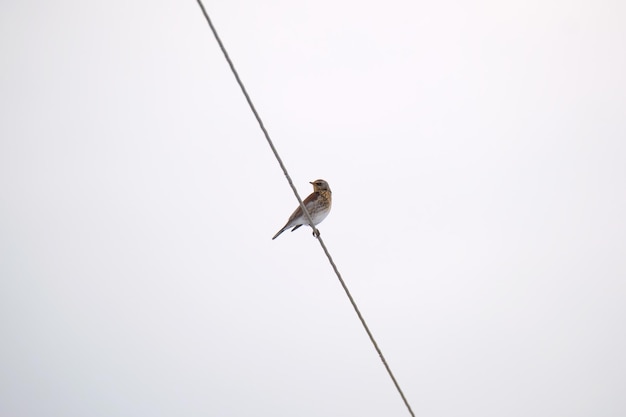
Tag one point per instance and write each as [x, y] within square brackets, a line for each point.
[306, 212]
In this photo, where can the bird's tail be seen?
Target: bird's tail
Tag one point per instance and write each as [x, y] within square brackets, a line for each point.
[280, 231]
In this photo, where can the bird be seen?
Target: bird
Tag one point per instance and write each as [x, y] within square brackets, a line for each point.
[318, 205]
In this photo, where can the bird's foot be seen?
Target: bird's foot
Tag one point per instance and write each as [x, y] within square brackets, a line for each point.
[316, 233]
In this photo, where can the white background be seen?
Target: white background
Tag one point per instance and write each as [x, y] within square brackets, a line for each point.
[476, 152]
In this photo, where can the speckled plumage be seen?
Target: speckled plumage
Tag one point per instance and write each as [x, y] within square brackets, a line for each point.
[318, 205]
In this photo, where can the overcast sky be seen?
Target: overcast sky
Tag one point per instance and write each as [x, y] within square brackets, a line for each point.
[476, 151]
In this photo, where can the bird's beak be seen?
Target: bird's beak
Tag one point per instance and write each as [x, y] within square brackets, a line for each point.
[310, 182]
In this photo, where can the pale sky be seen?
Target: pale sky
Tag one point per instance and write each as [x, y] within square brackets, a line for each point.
[476, 152]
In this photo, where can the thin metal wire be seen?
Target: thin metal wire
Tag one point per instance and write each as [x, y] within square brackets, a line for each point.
[308, 216]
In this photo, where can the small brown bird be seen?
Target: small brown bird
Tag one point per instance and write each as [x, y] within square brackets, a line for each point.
[317, 204]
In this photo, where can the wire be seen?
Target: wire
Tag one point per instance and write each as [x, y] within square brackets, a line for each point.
[316, 232]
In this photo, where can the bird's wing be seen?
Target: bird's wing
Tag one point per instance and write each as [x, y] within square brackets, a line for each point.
[298, 212]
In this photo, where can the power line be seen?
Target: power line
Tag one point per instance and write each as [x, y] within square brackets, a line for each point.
[308, 216]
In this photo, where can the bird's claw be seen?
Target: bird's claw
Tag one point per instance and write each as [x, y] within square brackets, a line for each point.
[316, 233]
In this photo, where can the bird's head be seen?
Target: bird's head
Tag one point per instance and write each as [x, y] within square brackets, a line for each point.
[320, 185]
